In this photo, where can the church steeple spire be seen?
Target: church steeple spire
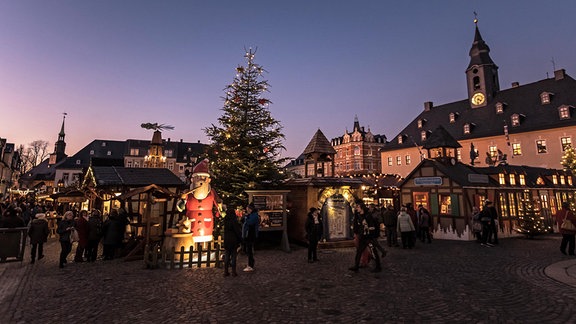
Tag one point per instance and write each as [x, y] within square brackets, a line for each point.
[482, 72]
[60, 145]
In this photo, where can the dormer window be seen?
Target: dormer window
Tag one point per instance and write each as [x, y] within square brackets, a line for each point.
[522, 180]
[545, 97]
[564, 112]
[562, 180]
[515, 120]
[569, 179]
[554, 179]
[501, 178]
[512, 178]
[423, 135]
[78, 162]
[103, 144]
[421, 123]
[467, 128]
[540, 181]
[109, 153]
[400, 139]
[91, 152]
[500, 108]
[453, 117]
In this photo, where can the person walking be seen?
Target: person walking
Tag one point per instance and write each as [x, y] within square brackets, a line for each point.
[568, 235]
[424, 222]
[414, 217]
[250, 233]
[406, 228]
[476, 224]
[82, 229]
[488, 217]
[232, 239]
[314, 230]
[367, 236]
[94, 235]
[65, 227]
[113, 234]
[38, 234]
[390, 219]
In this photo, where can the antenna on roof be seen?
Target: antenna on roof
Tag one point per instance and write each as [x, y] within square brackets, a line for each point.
[553, 64]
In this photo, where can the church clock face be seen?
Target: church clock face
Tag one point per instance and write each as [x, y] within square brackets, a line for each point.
[478, 99]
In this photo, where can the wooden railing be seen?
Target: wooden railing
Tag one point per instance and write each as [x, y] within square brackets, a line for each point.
[207, 255]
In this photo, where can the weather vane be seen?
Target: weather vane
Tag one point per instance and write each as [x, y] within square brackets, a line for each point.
[156, 126]
[475, 17]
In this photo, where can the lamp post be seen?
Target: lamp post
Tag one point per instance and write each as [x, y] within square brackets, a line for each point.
[60, 185]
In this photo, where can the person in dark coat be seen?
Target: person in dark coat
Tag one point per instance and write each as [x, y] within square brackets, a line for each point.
[12, 219]
[250, 229]
[65, 226]
[82, 229]
[38, 234]
[114, 228]
[232, 239]
[95, 229]
[314, 230]
[390, 219]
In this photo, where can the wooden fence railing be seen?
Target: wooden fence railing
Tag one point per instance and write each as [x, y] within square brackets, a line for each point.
[207, 255]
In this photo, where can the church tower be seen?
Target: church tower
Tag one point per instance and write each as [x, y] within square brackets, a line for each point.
[59, 147]
[482, 73]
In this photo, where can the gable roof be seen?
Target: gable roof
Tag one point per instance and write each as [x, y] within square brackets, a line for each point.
[134, 177]
[441, 138]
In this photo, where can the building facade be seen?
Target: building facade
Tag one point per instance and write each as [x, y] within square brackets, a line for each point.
[357, 152]
[528, 124]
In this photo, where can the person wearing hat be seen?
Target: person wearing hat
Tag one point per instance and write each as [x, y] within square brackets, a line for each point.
[314, 231]
[250, 233]
[201, 199]
[38, 234]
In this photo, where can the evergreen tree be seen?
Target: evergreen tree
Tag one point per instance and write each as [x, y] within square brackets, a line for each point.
[530, 222]
[569, 158]
[245, 146]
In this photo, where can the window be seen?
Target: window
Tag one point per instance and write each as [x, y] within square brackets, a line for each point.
[423, 135]
[109, 153]
[541, 147]
[515, 119]
[420, 123]
[501, 179]
[554, 179]
[356, 150]
[512, 178]
[522, 180]
[400, 139]
[566, 142]
[129, 163]
[91, 152]
[545, 98]
[407, 159]
[562, 180]
[136, 164]
[467, 128]
[169, 153]
[389, 161]
[516, 149]
[357, 166]
[398, 160]
[445, 204]
[78, 162]
[499, 108]
[569, 178]
[103, 144]
[134, 151]
[171, 166]
[493, 149]
[452, 118]
[564, 112]
[420, 198]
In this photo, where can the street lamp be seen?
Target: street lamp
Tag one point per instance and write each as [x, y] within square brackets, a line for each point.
[60, 185]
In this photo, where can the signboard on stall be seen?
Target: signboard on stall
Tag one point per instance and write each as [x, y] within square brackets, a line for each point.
[271, 206]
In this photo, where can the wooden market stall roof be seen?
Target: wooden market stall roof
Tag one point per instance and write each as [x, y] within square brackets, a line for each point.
[110, 176]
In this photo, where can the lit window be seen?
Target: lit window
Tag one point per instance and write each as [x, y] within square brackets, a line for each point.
[129, 163]
[545, 98]
[564, 112]
[501, 179]
[91, 152]
[466, 128]
[522, 180]
[445, 204]
[399, 139]
[389, 161]
[569, 178]
[169, 153]
[516, 149]
[420, 123]
[452, 118]
[515, 119]
[134, 151]
[493, 149]
[512, 178]
[541, 146]
[499, 108]
[408, 160]
[423, 135]
[566, 142]
[109, 153]
[562, 180]
[540, 181]
[398, 160]
[171, 165]
[356, 150]
[103, 144]
[554, 179]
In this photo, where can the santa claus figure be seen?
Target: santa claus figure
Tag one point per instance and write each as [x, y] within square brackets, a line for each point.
[201, 204]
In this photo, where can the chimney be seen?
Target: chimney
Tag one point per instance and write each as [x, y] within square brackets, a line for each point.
[428, 105]
[559, 74]
[515, 84]
[168, 139]
[180, 140]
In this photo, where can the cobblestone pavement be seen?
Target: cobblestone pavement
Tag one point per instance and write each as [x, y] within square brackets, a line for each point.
[442, 282]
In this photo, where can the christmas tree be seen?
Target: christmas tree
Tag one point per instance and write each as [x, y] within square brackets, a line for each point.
[569, 158]
[246, 144]
[530, 222]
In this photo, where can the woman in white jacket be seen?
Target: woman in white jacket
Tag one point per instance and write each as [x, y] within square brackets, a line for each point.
[406, 228]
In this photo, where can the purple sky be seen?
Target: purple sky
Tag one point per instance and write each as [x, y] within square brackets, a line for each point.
[112, 65]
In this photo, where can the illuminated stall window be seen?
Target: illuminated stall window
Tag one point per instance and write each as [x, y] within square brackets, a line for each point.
[445, 204]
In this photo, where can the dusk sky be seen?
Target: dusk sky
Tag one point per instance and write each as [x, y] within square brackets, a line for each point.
[114, 64]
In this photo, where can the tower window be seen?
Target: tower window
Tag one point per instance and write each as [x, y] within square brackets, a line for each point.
[476, 81]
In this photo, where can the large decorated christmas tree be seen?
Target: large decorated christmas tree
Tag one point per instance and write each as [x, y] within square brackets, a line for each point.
[569, 158]
[530, 221]
[246, 145]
